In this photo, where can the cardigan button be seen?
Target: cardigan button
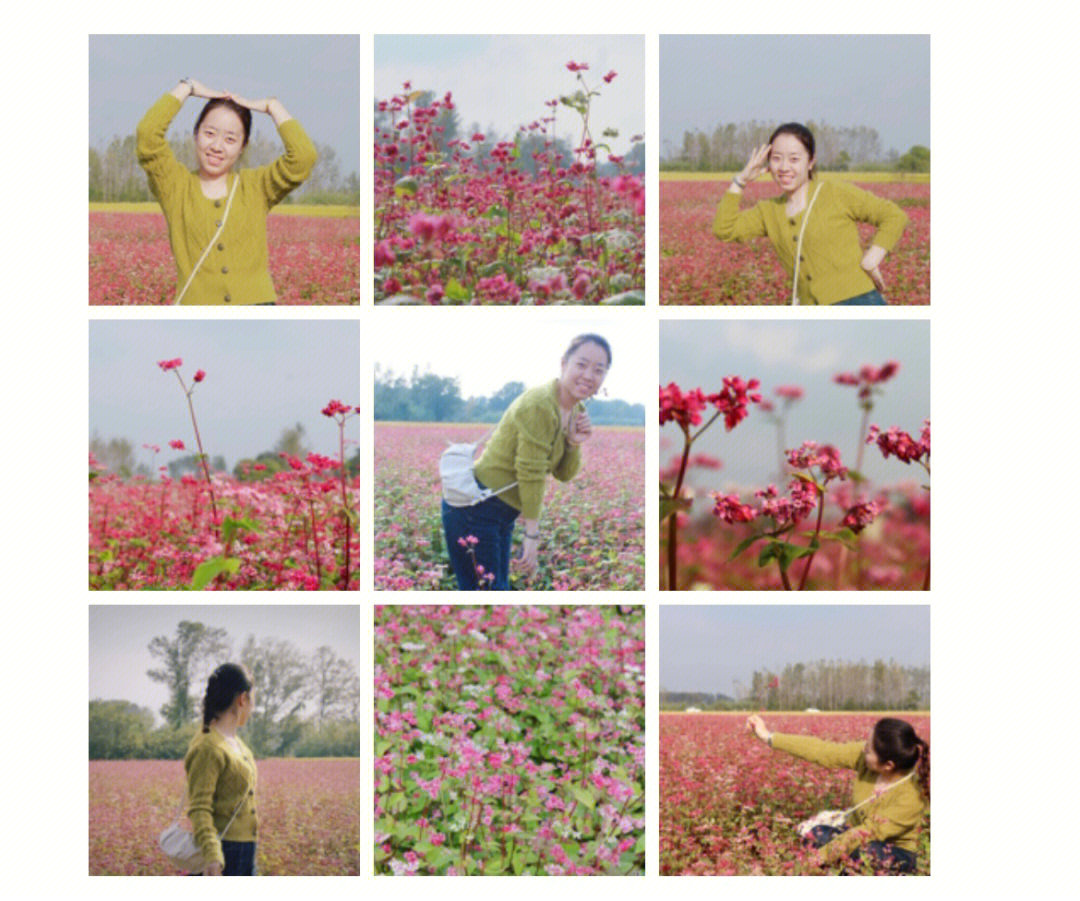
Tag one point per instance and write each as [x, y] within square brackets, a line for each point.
[221, 247]
[217, 203]
[224, 270]
[228, 299]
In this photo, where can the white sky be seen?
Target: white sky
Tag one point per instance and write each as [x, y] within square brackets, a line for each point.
[488, 350]
[503, 80]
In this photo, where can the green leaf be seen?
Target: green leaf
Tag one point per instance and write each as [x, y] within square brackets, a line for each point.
[231, 526]
[625, 299]
[669, 505]
[744, 544]
[456, 291]
[583, 796]
[406, 185]
[210, 569]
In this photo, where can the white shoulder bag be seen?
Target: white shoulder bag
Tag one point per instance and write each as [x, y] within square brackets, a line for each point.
[179, 845]
[835, 819]
[459, 485]
[798, 248]
[213, 241]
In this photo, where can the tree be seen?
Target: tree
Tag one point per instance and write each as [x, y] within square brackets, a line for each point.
[332, 684]
[118, 729]
[184, 659]
[292, 442]
[280, 674]
[917, 159]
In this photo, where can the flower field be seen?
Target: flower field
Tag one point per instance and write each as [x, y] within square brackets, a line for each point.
[510, 740]
[314, 259]
[697, 268]
[729, 804]
[472, 220]
[593, 526]
[309, 816]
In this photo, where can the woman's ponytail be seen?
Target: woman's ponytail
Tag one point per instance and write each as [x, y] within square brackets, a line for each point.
[222, 688]
[895, 742]
[923, 767]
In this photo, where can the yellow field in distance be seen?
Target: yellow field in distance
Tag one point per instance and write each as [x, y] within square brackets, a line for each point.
[915, 178]
[330, 211]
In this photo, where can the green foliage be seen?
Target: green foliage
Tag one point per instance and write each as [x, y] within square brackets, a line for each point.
[118, 729]
[917, 159]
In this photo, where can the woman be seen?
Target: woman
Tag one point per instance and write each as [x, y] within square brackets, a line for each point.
[832, 267]
[221, 777]
[541, 432]
[891, 791]
[217, 218]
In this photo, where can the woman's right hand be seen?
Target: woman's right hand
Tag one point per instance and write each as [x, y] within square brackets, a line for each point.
[198, 89]
[530, 554]
[758, 163]
[213, 869]
[756, 725]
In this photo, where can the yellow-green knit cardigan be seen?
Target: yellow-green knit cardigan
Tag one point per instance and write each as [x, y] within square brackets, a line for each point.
[893, 817]
[236, 271]
[218, 778]
[830, 269]
[528, 444]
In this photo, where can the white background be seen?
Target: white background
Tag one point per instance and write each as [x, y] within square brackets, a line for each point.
[1005, 148]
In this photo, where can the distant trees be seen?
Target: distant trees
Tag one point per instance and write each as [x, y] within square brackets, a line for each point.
[838, 148]
[427, 397]
[823, 684]
[115, 175]
[304, 705]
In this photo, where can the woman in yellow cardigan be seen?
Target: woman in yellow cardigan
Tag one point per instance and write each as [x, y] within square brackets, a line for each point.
[221, 776]
[832, 266]
[540, 433]
[891, 792]
[217, 217]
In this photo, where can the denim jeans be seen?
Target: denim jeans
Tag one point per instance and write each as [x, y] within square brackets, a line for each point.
[239, 858]
[491, 522]
[885, 856]
[869, 299]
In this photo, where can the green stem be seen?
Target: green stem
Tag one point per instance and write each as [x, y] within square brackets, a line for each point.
[817, 532]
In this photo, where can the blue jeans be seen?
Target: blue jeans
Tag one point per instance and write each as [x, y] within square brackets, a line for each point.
[239, 858]
[869, 299]
[885, 856]
[491, 522]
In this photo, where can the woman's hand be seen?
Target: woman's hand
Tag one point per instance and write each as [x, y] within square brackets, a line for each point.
[530, 554]
[759, 162]
[580, 429]
[870, 262]
[756, 725]
[212, 869]
[270, 105]
[198, 89]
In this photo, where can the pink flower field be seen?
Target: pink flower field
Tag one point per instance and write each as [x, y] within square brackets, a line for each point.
[509, 740]
[593, 526]
[313, 259]
[697, 268]
[729, 804]
[309, 816]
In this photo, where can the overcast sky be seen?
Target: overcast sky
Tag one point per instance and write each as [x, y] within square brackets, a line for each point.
[485, 352]
[704, 648]
[120, 636]
[261, 378]
[880, 81]
[503, 81]
[316, 77]
[698, 354]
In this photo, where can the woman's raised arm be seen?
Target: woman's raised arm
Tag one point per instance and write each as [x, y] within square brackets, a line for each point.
[291, 169]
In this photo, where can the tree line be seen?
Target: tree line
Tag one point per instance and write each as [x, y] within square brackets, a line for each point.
[427, 397]
[120, 456]
[528, 145]
[305, 706]
[839, 149]
[115, 174]
[822, 685]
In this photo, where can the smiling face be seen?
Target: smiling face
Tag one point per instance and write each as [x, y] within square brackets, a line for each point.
[219, 141]
[790, 162]
[583, 370]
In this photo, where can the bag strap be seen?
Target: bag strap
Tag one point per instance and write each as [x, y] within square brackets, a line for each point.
[873, 797]
[221, 835]
[213, 240]
[798, 248]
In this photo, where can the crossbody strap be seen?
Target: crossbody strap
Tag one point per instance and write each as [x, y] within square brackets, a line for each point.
[221, 835]
[499, 491]
[213, 240]
[873, 797]
[798, 248]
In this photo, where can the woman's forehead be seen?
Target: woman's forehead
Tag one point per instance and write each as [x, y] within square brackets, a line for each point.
[225, 119]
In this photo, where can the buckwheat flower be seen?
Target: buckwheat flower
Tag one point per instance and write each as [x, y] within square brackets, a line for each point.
[577, 67]
[789, 392]
[610, 77]
[176, 444]
[199, 375]
[166, 365]
[731, 510]
[860, 516]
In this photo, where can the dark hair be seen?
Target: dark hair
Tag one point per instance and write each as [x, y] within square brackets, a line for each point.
[242, 111]
[589, 339]
[804, 136]
[222, 688]
[895, 742]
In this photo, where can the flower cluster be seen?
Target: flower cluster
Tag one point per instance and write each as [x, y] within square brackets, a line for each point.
[166, 365]
[901, 445]
[867, 378]
[732, 401]
[824, 457]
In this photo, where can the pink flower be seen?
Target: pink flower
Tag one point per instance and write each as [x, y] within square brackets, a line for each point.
[336, 407]
[176, 444]
[731, 510]
[199, 375]
[610, 77]
[166, 365]
[789, 392]
[860, 516]
[577, 67]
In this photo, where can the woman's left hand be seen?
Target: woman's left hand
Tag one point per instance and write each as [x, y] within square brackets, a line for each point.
[530, 554]
[256, 106]
[580, 429]
[871, 261]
